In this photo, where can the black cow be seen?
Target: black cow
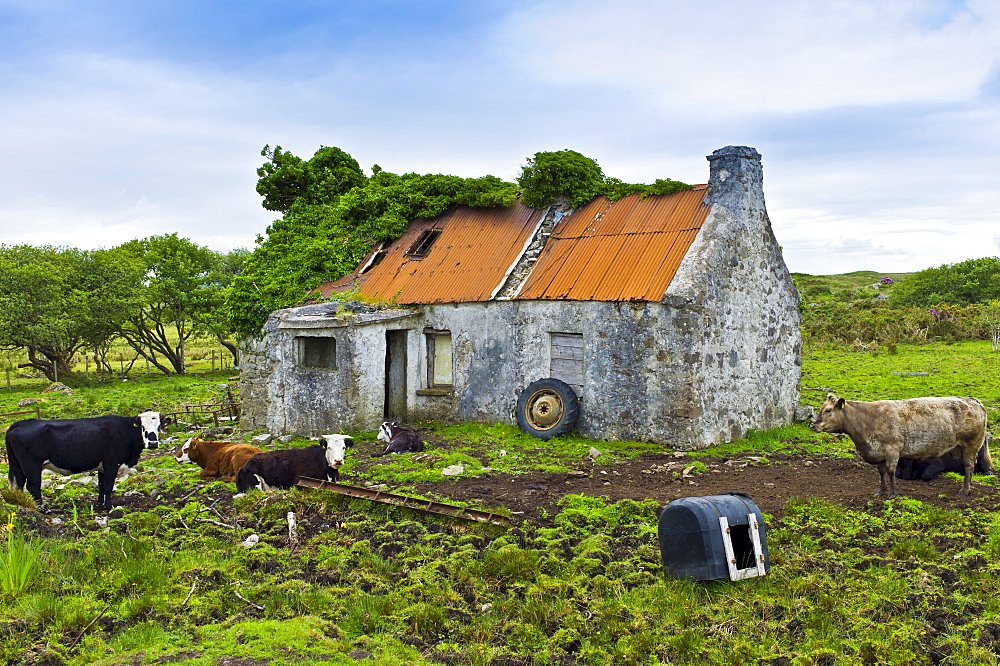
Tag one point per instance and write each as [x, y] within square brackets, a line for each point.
[72, 446]
[927, 470]
[398, 439]
[284, 468]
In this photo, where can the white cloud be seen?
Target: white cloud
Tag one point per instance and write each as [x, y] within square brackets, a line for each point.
[732, 57]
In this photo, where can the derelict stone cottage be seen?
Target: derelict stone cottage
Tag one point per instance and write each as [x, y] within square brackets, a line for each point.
[673, 319]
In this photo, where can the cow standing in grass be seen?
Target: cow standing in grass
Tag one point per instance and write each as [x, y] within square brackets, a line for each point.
[919, 428]
[72, 446]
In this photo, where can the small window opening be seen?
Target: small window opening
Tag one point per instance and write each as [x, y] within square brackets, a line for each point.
[375, 258]
[313, 352]
[422, 245]
[439, 358]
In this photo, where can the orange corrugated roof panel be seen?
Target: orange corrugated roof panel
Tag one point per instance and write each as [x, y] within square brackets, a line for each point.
[467, 262]
[621, 251]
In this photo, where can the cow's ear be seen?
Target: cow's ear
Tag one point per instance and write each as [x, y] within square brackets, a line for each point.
[840, 403]
[348, 441]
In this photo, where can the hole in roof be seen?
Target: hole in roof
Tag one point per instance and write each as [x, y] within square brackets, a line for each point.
[376, 258]
[423, 244]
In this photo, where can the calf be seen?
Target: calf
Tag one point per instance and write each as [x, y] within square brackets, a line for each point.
[216, 459]
[919, 428]
[72, 446]
[398, 439]
[284, 468]
[926, 470]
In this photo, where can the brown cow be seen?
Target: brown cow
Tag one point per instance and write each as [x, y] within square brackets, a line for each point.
[217, 459]
[921, 428]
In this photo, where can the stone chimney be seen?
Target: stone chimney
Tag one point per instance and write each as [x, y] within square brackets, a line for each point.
[734, 171]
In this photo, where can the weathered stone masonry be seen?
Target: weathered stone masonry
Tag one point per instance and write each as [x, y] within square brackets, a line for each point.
[718, 356]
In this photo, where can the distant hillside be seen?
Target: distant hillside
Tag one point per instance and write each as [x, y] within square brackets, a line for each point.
[842, 287]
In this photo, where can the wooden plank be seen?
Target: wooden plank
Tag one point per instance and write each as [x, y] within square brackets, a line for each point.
[566, 359]
[415, 503]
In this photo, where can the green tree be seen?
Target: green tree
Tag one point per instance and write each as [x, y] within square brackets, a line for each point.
[181, 287]
[56, 302]
[214, 318]
[964, 283]
[286, 179]
[563, 176]
[323, 235]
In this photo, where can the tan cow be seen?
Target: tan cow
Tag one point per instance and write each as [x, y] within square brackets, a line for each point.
[217, 459]
[921, 428]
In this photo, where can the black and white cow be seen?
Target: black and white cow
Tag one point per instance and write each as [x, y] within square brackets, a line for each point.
[398, 439]
[72, 446]
[284, 468]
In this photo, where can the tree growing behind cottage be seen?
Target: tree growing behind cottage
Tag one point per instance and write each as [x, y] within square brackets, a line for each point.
[57, 302]
[178, 297]
[333, 214]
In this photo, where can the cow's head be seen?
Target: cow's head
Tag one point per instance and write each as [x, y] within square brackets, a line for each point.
[151, 424]
[336, 448]
[830, 417]
[387, 430]
[182, 452]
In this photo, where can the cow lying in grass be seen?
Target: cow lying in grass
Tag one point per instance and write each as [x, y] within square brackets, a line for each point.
[885, 431]
[284, 468]
[398, 439]
[927, 470]
[216, 459]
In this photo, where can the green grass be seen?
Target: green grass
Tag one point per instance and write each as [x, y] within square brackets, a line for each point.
[962, 368]
[896, 582]
[843, 287]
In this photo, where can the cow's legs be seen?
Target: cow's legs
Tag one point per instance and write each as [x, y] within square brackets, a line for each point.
[969, 458]
[33, 481]
[887, 477]
[14, 474]
[105, 484]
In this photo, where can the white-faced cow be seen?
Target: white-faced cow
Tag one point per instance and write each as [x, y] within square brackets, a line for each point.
[216, 459]
[885, 431]
[72, 446]
[284, 468]
[398, 439]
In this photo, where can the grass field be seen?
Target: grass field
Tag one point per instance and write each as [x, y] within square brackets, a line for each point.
[898, 582]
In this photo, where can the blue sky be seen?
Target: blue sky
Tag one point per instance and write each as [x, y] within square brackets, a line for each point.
[877, 120]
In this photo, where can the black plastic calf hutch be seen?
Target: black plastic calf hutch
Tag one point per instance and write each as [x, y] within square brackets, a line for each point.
[719, 536]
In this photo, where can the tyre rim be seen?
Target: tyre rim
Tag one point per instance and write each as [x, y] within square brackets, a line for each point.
[544, 409]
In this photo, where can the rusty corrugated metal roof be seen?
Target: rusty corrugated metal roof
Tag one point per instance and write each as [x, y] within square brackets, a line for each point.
[466, 262]
[622, 251]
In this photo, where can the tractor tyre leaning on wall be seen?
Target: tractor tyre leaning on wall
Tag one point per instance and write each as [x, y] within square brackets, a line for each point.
[547, 408]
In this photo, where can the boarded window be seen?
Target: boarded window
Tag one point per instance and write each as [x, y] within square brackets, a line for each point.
[313, 352]
[567, 359]
[439, 373]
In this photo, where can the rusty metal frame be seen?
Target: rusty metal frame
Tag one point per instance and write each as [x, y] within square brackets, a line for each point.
[37, 411]
[229, 409]
[415, 503]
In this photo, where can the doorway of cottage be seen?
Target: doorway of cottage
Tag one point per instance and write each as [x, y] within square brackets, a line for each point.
[395, 376]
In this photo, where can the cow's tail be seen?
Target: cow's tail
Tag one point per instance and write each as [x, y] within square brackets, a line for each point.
[987, 460]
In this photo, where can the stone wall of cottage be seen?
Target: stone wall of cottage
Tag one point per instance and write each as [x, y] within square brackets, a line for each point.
[719, 356]
[748, 351]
